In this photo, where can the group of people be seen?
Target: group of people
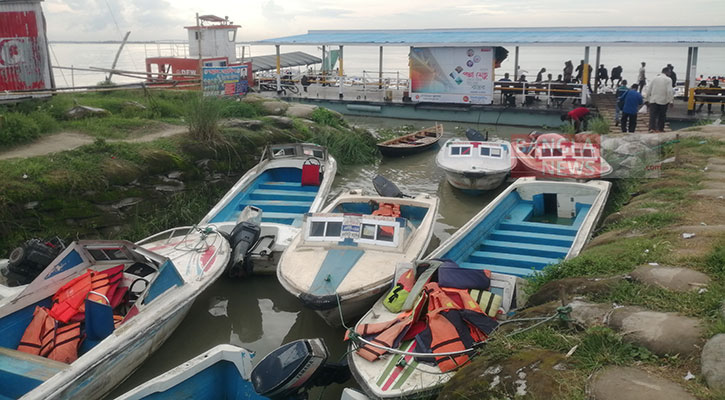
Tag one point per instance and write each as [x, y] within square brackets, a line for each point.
[710, 93]
[659, 95]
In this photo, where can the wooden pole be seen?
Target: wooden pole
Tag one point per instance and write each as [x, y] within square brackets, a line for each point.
[118, 53]
[596, 70]
[279, 69]
[380, 69]
[340, 74]
[201, 64]
[516, 64]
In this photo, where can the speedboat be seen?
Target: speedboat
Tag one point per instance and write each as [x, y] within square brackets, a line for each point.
[225, 372]
[475, 165]
[100, 309]
[345, 256]
[530, 225]
[289, 181]
[553, 156]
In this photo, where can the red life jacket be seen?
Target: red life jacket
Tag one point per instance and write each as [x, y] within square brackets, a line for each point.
[69, 300]
[388, 210]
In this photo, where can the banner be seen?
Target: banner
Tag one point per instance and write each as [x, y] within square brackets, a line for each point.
[225, 81]
[452, 74]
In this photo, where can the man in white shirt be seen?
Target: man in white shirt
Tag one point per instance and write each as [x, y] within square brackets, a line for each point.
[659, 95]
[641, 77]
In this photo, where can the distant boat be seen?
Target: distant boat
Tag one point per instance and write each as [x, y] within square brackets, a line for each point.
[346, 255]
[290, 180]
[412, 143]
[530, 225]
[475, 165]
[553, 156]
[157, 281]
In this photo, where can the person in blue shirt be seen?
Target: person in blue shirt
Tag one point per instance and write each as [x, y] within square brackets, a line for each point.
[632, 101]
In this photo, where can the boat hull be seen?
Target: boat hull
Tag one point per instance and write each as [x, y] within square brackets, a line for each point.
[390, 151]
[473, 181]
[351, 307]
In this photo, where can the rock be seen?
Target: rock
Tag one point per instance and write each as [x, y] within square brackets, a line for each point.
[31, 205]
[627, 383]
[713, 362]
[301, 110]
[672, 278]
[175, 175]
[571, 286]
[282, 122]
[119, 171]
[631, 149]
[648, 139]
[254, 98]
[589, 314]
[159, 161]
[80, 112]
[127, 202]
[253, 124]
[275, 107]
[132, 106]
[661, 333]
[630, 163]
[529, 373]
[611, 144]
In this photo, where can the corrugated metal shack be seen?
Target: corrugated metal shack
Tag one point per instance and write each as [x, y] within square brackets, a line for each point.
[24, 60]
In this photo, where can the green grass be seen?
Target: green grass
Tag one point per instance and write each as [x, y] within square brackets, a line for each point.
[348, 146]
[203, 115]
[607, 259]
[647, 222]
[601, 346]
[324, 116]
[599, 125]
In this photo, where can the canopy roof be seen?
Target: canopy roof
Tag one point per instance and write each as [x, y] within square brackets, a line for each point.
[713, 36]
[293, 59]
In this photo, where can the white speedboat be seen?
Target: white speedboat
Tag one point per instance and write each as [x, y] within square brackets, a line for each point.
[146, 290]
[475, 165]
[289, 181]
[346, 255]
[530, 225]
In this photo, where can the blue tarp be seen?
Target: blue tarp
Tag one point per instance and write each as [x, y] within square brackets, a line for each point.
[630, 36]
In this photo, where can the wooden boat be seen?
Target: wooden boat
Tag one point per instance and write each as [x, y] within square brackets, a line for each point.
[553, 156]
[412, 143]
[346, 255]
[276, 187]
[162, 274]
[475, 165]
[530, 225]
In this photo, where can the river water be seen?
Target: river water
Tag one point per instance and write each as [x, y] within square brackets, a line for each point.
[261, 315]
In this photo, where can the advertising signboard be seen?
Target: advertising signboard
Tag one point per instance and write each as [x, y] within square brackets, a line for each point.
[452, 74]
[225, 81]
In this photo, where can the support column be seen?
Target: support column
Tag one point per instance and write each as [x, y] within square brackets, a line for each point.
[585, 76]
[596, 69]
[688, 76]
[693, 75]
[516, 64]
[380, 69]
[279, 70]
[324, 57]
[340, 74]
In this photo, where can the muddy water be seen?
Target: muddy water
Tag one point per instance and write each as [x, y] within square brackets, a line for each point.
[260, 316]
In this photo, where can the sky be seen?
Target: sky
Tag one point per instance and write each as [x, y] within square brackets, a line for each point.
[265, 19]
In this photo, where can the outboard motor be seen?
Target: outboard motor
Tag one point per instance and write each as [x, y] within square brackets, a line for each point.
[30, 259]
[292, 369]
[476, 136]
[242, 240]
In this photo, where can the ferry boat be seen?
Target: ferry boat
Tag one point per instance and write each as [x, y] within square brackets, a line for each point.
[530, 225]
[130, 298]
[289, 181]
[345, 256]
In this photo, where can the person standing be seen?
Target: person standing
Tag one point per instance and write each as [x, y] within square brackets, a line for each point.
[580, 71]
[642, 79]
[602, 75]
[621, 90]
[659, 95]
[568, 70]
[632, 100]
[616, 75]
[673, 75]
[540, 75]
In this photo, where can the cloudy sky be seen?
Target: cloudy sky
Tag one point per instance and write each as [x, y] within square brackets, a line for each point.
[264, 19]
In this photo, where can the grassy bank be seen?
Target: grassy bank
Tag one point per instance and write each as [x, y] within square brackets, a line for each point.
[110, 189]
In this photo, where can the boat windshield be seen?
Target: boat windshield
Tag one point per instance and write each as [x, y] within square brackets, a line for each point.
[296, 150]
[367, 229]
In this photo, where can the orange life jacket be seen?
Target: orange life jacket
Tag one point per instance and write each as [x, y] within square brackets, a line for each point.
[31, 341]
[69, 300]
[445, 338]
[44, 338]
[388, 210]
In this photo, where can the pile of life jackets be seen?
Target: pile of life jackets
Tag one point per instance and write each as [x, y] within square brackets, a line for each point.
[55, 333]
[442, 320]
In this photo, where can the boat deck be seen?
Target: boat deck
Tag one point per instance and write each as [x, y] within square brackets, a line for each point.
[281, 197]
[521, 247]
